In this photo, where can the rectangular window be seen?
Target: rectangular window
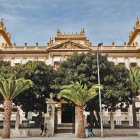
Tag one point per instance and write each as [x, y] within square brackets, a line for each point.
[133, 64]
[56, 64]
[137, 109]
[17, 64]
[124, 111]
[122, 64]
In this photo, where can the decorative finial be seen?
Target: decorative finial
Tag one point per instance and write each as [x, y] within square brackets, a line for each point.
[25, 43]
[4, 28]
[58, 30]
[137, 21]
[1, 22]
[134, 28]
[113, 43]
[124, 43]
[1, 19]
[83, 30]
[10, 35]
[51, 40]
[36, 43]
[129, 34]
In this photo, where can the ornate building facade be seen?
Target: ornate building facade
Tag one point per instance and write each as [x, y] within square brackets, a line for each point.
[58, 49]
[63, 45]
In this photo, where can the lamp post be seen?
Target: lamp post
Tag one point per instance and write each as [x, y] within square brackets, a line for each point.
[100, 104]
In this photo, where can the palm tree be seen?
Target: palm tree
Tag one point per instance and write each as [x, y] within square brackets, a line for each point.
[134, 78]
[79, 95]
[9, 89]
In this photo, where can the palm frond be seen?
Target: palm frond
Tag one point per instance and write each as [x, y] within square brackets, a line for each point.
[78, 93]
[134, 78]
[11, 87]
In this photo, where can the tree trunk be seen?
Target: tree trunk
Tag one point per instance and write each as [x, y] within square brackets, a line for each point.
[80, 122]
[112, 120]
[7, 118]
[134, 113]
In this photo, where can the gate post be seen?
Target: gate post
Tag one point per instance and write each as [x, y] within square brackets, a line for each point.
[50, 119]
[17, 120]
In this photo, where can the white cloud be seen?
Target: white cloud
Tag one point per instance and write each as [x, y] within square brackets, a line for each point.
[15, 5]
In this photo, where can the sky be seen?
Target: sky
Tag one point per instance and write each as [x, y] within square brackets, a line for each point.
[104, 21]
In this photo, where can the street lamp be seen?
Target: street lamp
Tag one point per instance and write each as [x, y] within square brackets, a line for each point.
[100, 104]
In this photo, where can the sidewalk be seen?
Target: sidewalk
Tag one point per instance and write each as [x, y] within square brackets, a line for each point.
[73, 137]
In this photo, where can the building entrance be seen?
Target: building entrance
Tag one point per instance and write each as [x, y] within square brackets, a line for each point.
[67, 113]
[67, 119]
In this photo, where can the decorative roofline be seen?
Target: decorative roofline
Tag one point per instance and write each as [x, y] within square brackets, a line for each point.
[133, 33]
[4, 32]
[72, 35]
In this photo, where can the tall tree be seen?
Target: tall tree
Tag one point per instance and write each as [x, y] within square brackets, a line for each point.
[43, 77]
[79, 95]
[83, 67]
[10, 88]
[134, 78]
[116, 90]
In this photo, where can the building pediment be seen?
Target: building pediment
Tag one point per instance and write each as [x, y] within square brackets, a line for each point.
[69, 45]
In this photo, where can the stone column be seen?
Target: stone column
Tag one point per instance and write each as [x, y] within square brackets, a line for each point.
[12, 61]
[138, 62]
[115, 60]
[127, 63]
[15, 132]
[50, 116]
[17, 119]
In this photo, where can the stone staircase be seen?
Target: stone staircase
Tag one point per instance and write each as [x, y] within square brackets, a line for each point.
[65, 128]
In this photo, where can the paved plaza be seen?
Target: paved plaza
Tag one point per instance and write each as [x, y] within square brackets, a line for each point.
[73, 137]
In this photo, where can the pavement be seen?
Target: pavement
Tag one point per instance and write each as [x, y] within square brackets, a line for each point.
[73, 137]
